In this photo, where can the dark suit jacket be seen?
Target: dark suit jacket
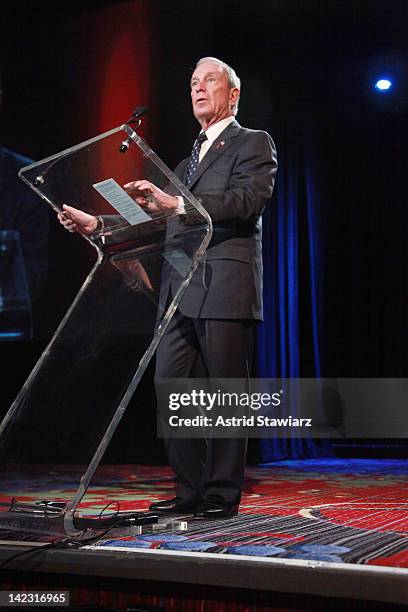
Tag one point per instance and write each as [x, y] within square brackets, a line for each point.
[234, 182]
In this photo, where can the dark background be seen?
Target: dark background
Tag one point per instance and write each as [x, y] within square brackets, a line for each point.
[308, 70]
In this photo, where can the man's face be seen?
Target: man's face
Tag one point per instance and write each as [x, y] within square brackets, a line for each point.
[211, 95]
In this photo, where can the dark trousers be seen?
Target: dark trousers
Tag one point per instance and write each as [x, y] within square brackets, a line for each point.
[200, 348]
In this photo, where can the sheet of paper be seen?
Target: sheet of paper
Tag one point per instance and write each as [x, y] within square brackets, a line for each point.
[121, 201]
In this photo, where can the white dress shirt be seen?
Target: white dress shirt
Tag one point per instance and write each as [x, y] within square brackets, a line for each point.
[212, 134]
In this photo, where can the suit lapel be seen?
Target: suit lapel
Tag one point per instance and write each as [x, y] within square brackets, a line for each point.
[220, 144]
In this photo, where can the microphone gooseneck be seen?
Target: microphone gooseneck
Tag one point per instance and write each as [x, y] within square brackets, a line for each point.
[140, 111]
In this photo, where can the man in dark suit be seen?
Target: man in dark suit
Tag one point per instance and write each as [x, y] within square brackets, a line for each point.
[231, 171]
[213, 331]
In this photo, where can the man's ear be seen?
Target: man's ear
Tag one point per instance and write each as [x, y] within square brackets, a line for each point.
[234, 95]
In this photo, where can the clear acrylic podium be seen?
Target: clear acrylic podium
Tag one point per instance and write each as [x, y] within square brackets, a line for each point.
[58, 428]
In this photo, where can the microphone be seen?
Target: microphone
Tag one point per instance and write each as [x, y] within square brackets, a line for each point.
[140, 111]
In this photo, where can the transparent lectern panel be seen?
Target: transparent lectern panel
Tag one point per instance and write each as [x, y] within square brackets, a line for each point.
[55, 433]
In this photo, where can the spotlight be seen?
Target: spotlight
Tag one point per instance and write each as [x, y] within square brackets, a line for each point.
[383, 85]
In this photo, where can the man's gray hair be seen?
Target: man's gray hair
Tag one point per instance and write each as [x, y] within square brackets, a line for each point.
[233, 78]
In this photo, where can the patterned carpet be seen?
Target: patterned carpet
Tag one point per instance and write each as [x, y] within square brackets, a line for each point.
[334, 510]
[346, 511]
[351, 511]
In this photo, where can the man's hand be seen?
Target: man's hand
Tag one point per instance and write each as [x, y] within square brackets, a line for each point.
[75, 220]
[151, 197]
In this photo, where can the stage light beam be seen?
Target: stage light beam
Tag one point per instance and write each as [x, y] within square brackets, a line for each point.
[383, 85]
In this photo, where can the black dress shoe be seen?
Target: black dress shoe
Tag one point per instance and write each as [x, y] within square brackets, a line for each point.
[214, 506]
[174, 505]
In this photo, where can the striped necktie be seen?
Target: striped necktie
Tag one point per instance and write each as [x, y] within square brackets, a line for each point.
[193, 163]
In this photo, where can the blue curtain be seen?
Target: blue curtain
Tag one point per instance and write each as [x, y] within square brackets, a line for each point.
[289, 338]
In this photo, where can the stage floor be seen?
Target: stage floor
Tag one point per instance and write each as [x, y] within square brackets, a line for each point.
[334, 528]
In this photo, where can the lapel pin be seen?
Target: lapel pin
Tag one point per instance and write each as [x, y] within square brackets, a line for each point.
[220, 144]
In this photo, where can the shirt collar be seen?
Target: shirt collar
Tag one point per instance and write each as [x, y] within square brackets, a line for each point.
[215, 130]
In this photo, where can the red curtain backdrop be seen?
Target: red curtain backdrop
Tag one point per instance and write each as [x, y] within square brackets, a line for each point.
[114, 67]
